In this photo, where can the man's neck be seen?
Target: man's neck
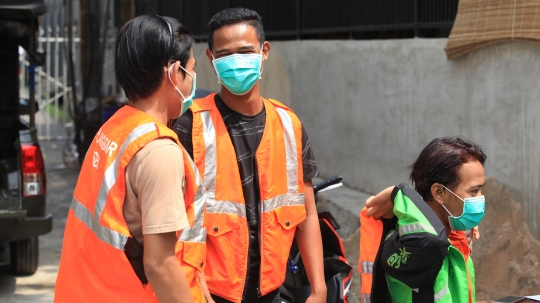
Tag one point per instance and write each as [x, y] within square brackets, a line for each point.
[249, 104]
[441, 214]
[152, 107]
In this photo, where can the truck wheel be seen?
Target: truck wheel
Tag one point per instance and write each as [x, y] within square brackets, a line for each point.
[24, 256]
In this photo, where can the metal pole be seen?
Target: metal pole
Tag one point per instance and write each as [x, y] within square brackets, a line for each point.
[56, 72]
[48, 82]
[75, 103]
[105, 29]
[64, 83]
[31, 79]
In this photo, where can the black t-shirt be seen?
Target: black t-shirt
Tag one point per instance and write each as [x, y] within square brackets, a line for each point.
[246, 134]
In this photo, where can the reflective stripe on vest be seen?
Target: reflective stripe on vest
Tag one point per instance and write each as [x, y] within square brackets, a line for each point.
[105, 234]
[415, 228]
[94, 266]
[441, 293]
[237, 208]
[282, 207]
[366, 298]
[291, 156]
[282, 200]
[197, 232]
[367, 267]
[210, 162]
[210, 173]
[371, 233]
[109, 236]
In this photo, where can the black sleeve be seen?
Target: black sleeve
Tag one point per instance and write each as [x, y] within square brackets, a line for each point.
[183, 128]
[309, 164]
[414, 258]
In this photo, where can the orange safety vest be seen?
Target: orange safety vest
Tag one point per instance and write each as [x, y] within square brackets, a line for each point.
[279, 164]
[93, 266]
[371, 231]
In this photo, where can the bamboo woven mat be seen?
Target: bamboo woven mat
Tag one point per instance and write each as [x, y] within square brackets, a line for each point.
[484, 22]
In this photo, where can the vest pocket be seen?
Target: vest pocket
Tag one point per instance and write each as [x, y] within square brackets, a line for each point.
[194, 254]
[218, 224]
[290, 216]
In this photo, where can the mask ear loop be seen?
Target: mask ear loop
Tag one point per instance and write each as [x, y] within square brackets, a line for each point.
[458, 198]
[215, 69]
[262, 65]
[192, 85]
[177, 89]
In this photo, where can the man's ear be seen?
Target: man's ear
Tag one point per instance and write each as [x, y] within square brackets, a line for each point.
[174, 73]
[265, 50]
[437, 193]
[209, 55]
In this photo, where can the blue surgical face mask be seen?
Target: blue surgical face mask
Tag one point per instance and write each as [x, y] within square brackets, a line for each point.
[239, 72]
[184, 105]
[473, 213]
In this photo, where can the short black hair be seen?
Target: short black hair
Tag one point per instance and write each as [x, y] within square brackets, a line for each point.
[235, 15]
[143, 47]
[440, 161]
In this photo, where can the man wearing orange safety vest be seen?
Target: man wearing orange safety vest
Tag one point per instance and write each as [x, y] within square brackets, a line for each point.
[135, 230]
[257, 165]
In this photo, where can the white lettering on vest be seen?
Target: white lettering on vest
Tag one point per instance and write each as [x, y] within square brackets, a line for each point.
[95, 160]
[105, 144]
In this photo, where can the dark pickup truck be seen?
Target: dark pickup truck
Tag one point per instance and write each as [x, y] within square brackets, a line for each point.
[22, 171]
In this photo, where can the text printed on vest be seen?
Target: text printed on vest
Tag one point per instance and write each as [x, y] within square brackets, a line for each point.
[106, 144]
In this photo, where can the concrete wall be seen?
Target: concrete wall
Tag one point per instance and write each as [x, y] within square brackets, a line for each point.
[370, 106]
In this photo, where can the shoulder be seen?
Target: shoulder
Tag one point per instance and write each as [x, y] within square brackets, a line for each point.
[278, 104]
[158, 148]
[403, 190]
[203, 104]
[154, 156]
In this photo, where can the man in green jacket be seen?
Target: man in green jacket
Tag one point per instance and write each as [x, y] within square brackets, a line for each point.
[424, 254]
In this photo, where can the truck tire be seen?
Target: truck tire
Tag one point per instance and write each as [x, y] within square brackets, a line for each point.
[24, 256]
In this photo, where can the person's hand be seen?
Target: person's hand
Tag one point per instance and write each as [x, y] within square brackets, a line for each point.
[474, 234]
[381, 205]
[316, 297]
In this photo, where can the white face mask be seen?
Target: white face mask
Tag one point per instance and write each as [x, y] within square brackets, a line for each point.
[186, 103]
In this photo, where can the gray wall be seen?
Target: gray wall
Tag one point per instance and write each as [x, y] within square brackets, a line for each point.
[370, 106]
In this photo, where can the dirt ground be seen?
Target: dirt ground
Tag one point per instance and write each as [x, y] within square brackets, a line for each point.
[507, 256]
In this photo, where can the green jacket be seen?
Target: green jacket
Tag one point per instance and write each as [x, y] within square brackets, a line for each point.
[416, 262]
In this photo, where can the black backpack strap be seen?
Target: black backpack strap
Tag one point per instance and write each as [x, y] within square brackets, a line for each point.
[134, 252]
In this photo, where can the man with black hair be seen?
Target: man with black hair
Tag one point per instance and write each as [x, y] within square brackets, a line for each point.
[135, 230]
[257, 165]
[419, 251]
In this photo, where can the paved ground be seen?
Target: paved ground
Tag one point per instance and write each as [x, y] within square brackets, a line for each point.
[343, 202]
[40, 286]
